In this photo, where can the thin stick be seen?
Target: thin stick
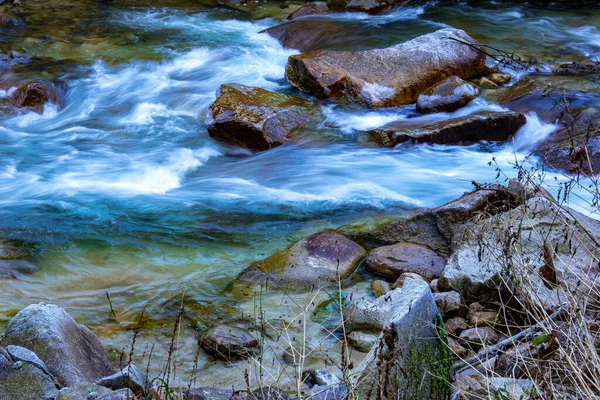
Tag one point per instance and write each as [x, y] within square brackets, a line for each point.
[483, 355]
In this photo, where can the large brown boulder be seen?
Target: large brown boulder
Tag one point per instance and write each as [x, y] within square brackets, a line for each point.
[34, 95]
[392, 261]
[323, 257]
[256, 118]
[388, 77]
[488, 126]
[71, 351]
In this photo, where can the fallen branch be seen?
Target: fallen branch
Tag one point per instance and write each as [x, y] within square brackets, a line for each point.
[491, 351]
[500, 56]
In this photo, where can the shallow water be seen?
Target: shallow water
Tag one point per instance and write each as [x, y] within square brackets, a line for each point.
[127, 194]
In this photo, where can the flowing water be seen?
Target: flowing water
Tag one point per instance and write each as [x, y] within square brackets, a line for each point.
[125, 192]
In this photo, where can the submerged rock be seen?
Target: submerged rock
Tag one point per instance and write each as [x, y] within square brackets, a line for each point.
[33, 95]
[71, 352]
[323, 257]
[387, 77]
[410, 359]
[392, 261]
[483, 126]
[310, 9]
[258, 119]
[16, 268]
[447, 95]
[228, 343]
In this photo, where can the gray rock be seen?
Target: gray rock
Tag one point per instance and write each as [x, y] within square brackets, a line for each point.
[325, 256]
[19, 353]
[478, 337]
[454, 326]
[407, 275]
[449, 303]
[483, 318]
[71, 352]
[320, 377]
[481, 271]
[129, 377]
[258, 119]
[447, 95]
[473, 385]
[268, 393]
[392, 261]
[228, 343]
[362, 341]
[24, 381]
[83, 391]
[482, 126]
[121, 394]
[208, 393]
[387, 77]
[335, 392]
[409, 359]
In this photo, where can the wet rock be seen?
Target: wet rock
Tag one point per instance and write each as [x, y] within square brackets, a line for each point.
[456, 325]
[307, 34]
[16, 268]
[387, 77]
[258, 119]
[129, 377]
[33, 95]
[474, 270]
[368, 6]
[487, 83]
[310, 9]
[24, 381]
[71, 352]
[449, 303]
[482, 126]
[435, 228]
[574, 68]
[448, 95]
[392, 261]
[380, 288]
[320, 377]
[268, 393]
[500, 79]
[478, 337]
[228, 343]
[407, 275]
[415, 365]
[362, 341]
[83, 391]
[574, 148]
[322, 257]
